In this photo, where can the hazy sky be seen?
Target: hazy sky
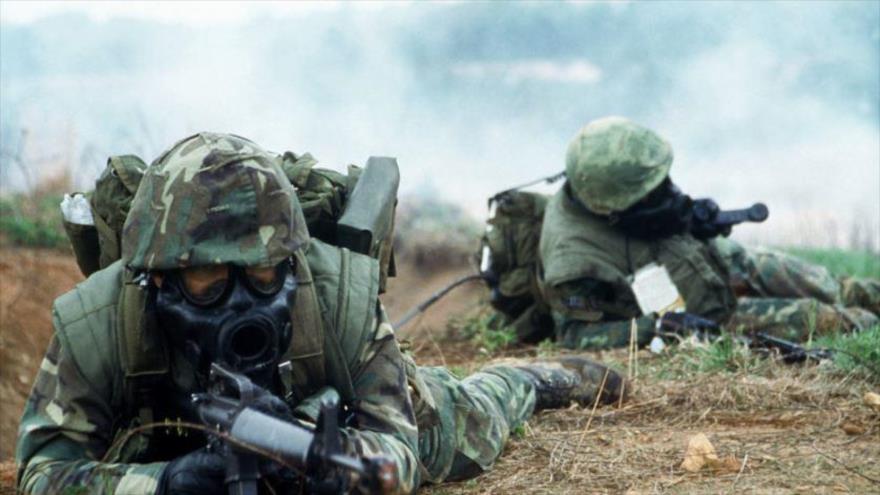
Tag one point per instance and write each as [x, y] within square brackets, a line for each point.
[777, 102]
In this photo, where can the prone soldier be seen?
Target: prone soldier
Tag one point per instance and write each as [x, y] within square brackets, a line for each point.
[217, 268]
[619, 211]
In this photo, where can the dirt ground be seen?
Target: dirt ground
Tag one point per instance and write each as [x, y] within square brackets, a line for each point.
[791, 430]
[780, 430]
[29, 281]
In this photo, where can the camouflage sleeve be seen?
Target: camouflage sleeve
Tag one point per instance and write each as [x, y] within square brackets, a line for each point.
[65, 431]
[588, 315]
[383, 421]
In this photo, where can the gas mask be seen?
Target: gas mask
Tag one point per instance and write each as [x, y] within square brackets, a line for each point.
[235, 316]
[664, 212]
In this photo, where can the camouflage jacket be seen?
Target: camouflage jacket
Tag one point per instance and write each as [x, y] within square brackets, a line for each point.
[76, 408]
[587, 264]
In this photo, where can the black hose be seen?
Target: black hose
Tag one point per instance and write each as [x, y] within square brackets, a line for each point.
[421, 307]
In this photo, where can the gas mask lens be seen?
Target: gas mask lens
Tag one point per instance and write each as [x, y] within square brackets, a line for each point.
[206, 285]
[266, 280]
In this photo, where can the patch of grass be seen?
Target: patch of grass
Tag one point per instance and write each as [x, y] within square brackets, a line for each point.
[841, 262]
[726, 354]
[485, 328]
[723, 354]
[32, 221]
[548, 348]
[855, 351]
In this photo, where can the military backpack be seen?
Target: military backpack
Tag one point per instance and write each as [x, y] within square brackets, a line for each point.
[509, 262]
[353, 210]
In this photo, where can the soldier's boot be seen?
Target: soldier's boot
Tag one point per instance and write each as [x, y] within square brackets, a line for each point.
[562, 380]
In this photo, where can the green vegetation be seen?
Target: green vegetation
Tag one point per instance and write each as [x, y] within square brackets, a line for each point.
[486, 329]
[842, 262]
[547, 348]
[32, 221]
[855, 352]
[681, 361]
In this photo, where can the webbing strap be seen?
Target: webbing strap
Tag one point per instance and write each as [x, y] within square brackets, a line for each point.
[306, 352]
[142, 349]
[108, 241]
[337, 368]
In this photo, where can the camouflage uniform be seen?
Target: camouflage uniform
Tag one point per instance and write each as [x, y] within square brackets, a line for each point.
[215, 199]
[456, 428]
[585, 263]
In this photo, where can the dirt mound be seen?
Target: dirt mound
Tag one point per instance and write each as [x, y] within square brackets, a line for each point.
[31, 280]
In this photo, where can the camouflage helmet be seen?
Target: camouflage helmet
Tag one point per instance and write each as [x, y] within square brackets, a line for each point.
[212, 199]
[612, 163]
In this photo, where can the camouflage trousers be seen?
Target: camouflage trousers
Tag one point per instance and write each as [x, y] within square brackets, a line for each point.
[791, 298]
[776, 293]
[464, 423]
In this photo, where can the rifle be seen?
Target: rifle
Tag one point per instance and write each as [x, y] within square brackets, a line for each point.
[790, 352]
[704, 329]
[709, 220]
[245, 435]
[667, 211]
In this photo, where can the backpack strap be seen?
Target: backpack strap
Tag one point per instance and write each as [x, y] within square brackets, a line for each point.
[347, 285]
[304, 365]
[142, 349]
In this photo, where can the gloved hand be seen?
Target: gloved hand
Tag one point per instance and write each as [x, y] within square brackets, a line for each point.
[270, 404]
[199, 472]
[682, 323]
[281, 478]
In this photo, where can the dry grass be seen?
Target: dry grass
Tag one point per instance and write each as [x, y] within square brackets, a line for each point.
[781, 430]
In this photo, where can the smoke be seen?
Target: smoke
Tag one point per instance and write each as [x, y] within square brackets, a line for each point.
[777, 102]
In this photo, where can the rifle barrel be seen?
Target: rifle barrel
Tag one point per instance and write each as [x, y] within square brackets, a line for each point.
[758, 212]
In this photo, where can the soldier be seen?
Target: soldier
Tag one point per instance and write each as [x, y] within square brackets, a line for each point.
[590, 248]
[217, 266]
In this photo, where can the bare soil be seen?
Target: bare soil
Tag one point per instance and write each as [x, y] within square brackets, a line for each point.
[781, 430]
[29, 281]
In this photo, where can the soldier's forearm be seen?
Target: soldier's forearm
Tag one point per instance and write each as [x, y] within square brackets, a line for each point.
[575, 334]
[92, 477]
[371, 443]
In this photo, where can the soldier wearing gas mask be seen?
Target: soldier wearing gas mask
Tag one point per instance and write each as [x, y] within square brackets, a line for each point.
[218, 268]
[620, 217]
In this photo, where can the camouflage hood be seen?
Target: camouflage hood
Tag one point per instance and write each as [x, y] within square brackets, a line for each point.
[211, 199]
[612, 163]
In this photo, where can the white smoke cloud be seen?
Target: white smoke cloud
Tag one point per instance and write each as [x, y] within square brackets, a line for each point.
[576, 71]
[761, 101]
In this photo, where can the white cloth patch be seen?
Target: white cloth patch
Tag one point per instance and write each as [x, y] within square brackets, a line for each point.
[657, 345]
[654, 290]
[76, 209]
